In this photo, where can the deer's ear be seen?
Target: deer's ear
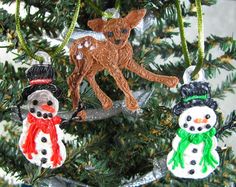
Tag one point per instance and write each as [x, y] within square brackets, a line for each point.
[96, 24]
[134, 17]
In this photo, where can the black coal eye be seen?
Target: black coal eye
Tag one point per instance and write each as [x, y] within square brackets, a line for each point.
[35, 102]
[124, 31]
[189, 118]
[207, 116]
[49, 102]
[110, 34]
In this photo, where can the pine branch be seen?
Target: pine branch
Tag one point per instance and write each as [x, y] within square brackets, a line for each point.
[229, 125]
[228, 85]
[4, 183]
[11, 160]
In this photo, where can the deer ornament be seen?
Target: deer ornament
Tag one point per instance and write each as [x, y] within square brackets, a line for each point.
[114, 54]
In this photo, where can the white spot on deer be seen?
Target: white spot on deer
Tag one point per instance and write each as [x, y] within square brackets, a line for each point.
[92, 47]
[80, 46]
[79, 56]
[87, 43]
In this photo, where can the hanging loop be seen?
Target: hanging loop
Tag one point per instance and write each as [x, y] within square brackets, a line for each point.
[200, 38]
[70, 31]
[20, 36]
[182, 34]
[185, 51]
[188, 78]
[23, 43]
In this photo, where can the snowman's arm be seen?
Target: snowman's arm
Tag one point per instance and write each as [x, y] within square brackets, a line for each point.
[19, 113]
[65, 122]
[214, 142]
[175, 142]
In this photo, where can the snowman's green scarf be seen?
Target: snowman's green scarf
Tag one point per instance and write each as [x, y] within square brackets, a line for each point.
[186, 139]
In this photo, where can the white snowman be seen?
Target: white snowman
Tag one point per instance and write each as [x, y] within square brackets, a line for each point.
[193, 154]
[41, 138]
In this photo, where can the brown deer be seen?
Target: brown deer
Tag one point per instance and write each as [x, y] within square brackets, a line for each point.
[114, 54]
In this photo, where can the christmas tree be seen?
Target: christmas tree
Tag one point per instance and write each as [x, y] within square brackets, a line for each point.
[115, 147]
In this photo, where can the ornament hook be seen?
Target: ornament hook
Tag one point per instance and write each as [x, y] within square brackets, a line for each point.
[46, 58]
[187, 75]
[110, 13]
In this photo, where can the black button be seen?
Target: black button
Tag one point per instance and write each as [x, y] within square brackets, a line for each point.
[199, 128]
[208, 126]
[189, 118]
[192, 128]
[43, 160]
[194, 150]
[45, 115]
[44, 151]
[191, 172]
[185, 125]
[43, 139]
[50, 115]
[49, 102]
[193, 162]
[207, 116]
[39, 114]
[32, 110]
[35, 102]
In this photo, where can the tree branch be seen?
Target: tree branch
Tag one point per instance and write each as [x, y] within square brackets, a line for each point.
[142, 97]
[159, 170]
[230, 124]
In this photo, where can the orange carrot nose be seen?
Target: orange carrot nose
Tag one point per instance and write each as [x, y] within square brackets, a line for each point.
[199, 120]
[204, 120]
[48, 108]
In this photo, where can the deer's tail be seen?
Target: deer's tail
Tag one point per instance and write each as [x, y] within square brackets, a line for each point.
[80, 49]
[73, 54]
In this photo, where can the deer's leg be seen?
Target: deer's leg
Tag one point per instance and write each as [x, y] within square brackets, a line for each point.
[103, 98]
[121, 82]
[76, 78]
[170, 81]
[73, 81]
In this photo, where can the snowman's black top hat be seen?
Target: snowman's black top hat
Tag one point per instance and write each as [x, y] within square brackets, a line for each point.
[195, 94]
[41, 77]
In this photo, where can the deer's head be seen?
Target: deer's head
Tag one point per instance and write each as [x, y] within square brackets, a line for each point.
[117, 30]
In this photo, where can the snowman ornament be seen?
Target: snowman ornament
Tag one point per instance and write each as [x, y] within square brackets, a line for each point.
[41, 138]
[194, 153]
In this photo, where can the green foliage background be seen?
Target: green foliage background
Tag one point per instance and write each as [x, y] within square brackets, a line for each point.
[121, 147]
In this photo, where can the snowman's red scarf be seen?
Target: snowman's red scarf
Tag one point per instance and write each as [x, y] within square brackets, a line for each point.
[47, 126]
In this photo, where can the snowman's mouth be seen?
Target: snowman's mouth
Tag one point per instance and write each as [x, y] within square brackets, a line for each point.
[48, 108]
